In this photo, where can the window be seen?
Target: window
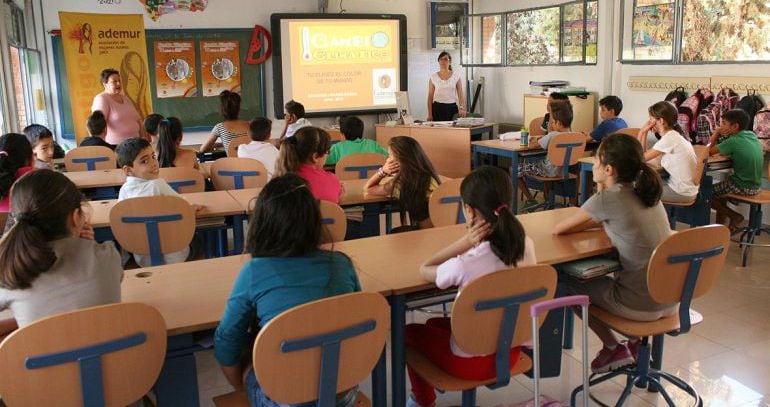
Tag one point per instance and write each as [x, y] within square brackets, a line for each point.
[575, 27]
[487, 36]
[533, 37]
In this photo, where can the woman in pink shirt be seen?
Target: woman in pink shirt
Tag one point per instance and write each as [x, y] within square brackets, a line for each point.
[123, 120]
[305, 154]
[495, 241]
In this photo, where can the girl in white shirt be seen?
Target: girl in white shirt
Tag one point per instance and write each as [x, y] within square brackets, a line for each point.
[445, 92]
[495, 241]
[676, 154]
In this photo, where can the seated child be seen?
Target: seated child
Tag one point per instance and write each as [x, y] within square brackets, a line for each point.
[609, 109]
[137, 159]
[353, 129]
[151, 123]
[547, 126]
[495, 241]
[16, 159]
[628, 206]
[260, 148]
[305, 154]
[41, 140]
[745, 150]
[561, 120]
[170, 154]
[287, 269]
[97, 129]
[51, 263]
[294, 117]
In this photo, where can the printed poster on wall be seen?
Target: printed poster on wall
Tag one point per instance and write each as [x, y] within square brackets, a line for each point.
[174, 69]
[220, 67]
[93, 42]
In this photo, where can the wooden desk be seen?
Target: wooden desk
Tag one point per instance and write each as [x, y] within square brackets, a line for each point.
[354, 195]
[97, 179]
[447, 147]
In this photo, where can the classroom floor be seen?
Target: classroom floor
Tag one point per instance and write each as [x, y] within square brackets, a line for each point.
[726, 358]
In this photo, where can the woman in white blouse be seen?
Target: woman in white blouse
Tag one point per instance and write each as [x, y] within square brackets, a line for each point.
[445, 92]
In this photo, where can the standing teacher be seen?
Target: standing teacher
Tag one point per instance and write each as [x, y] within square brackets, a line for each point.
[123, 121]
[445, 92]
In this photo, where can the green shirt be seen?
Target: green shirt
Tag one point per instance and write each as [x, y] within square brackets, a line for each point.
[357, 146]
[745, 151]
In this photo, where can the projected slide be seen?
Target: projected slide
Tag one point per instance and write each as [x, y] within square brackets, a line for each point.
[337, 65]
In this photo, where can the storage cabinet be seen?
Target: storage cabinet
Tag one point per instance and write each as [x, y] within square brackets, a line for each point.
[583, 110]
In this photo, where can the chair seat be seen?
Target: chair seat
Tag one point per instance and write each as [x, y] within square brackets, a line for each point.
[444, 381]
[240, 399]
[680, 204]
[551, 179]
[642, 329]
[763, 197]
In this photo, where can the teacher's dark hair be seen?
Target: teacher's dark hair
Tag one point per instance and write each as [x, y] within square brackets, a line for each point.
[105, 75]
[445, 54]
[624, 154]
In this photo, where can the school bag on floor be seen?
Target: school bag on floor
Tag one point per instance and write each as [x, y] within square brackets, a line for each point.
[710, 117]
[751, 104]
[762, 127]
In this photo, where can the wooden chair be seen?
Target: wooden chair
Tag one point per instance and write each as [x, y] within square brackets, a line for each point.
[564, 149]
[298, 355]
[232, 148]
[237, 173]
[358, 166]
[90, 158]
[534, 127]
[154, 225]
[755, 227]
[629, 131]
[445, 205]
[683, 267]
[334, 222]
[673, 209]
[183, 180]
[490, 316]
[107, 355]
[335, 135]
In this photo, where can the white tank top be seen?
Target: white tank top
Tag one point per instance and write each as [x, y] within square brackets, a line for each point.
[446, 90]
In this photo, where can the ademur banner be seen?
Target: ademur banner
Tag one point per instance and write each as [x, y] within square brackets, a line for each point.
[93, 42]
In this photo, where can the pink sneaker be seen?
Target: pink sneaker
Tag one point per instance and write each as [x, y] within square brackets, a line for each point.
[633, 347]
[609, 359]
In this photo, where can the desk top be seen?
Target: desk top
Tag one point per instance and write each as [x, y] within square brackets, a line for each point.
[354, 195]
[216, 204]
[713, 159]
[96, 179]
[427, 126]
[507, 145]
[177, 290]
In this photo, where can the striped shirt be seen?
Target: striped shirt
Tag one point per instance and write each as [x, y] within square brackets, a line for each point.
[225, 135]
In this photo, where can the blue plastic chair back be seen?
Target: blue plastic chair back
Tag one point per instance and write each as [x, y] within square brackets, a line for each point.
[238, 176]
[175, 185]
[90, 161]
[153, 234]
[361, 169]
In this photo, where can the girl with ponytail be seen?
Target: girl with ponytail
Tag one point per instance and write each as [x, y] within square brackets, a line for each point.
[170, 154]
[628, 206]
[16, 159]
[49, 261]
[677, 155]
[495, 241]
[305, 154]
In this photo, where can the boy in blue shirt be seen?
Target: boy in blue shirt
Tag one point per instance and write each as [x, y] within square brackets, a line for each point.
[609, 109]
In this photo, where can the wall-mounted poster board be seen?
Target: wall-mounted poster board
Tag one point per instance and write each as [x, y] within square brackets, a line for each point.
[182, 79]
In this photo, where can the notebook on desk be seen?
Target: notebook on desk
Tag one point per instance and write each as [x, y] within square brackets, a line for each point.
[591, 267]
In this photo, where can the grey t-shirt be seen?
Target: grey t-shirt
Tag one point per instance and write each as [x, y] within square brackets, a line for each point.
[85, 274]
[635, 231]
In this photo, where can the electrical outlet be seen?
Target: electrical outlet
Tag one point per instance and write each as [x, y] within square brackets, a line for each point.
[481, 80]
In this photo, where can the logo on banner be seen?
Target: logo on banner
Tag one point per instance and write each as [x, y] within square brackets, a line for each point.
[84, 35]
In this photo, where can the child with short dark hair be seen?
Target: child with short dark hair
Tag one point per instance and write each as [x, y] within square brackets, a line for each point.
[561, 120]
[16, 159]
[151, 123]
[41, 140]
[295, 119]
[305, 154]
[609, 110]
[353, 129]
[97, 129]
[170, 152]
[745, 150]
[287, 268]
[553, 98]
[260, 148]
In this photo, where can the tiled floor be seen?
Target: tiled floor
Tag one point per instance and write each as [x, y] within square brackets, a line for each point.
[726, 358]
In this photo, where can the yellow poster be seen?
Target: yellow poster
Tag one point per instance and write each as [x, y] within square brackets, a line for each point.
[174, 72]
[220, 67]
[93, 42]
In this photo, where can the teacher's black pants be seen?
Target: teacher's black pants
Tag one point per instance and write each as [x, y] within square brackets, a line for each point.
[444, 112]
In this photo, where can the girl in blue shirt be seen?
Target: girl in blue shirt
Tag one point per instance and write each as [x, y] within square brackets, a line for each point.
[287, 269]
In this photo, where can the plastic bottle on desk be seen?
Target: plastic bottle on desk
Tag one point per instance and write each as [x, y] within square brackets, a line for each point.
[524, 137]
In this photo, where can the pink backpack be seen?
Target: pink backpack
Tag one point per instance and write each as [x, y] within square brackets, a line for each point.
[711, 116]
[762, 127]
[689, 109]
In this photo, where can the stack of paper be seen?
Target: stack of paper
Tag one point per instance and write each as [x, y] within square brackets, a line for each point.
[469, 121]
[511, 135]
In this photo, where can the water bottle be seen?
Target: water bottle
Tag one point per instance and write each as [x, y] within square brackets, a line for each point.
[524, 137]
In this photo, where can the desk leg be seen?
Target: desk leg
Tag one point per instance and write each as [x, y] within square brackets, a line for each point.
[515, 181]
[237, 234]
[475, 158]
[585, 169]
[380, 382]
[177, 384]
[398, 349]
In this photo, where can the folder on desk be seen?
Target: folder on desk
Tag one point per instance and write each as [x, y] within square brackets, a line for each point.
[591, 267]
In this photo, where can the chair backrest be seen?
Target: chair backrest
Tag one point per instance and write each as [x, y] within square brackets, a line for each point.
[154, 225]
[106, 355]
[298, 354]
[90, 158]
[701, 158]
[183, 180]
[232, 148]
[629, 131]
[566, 149]
[238, 173]
[334, 222]
[358, 166]
[534, 127]
[686, 265]
[497, 304]
[445, 206]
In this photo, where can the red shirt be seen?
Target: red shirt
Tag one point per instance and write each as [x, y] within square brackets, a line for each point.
[323, 184]
[5, 204]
